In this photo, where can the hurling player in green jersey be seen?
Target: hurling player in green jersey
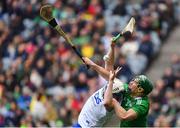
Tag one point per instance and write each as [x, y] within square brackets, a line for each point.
[134, 107]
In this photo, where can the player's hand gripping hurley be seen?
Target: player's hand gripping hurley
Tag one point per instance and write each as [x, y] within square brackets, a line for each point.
[46, 14]
[127, 31]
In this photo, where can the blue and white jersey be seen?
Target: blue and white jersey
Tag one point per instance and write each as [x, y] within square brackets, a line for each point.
[93, 113]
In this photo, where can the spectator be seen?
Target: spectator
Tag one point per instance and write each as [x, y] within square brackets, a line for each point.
[165, 104]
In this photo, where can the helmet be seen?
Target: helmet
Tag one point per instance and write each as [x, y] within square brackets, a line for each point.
[145, 83]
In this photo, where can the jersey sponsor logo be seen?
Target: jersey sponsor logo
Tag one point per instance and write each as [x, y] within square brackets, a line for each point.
[128, 103]
[97, 98]
[138, 102]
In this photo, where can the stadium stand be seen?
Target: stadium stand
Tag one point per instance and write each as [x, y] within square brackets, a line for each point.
[43, 83]
[165, 107]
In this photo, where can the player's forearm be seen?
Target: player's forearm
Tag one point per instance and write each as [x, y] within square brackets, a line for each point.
[120, 111]
[111, 54]
[102, 71]
[109, 59]
[108, 95]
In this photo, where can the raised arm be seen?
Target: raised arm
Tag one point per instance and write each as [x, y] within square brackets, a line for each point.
[122, 113]
[102, 71]
[109, 58]
[108, 93]
[118, 84]
[109, 61]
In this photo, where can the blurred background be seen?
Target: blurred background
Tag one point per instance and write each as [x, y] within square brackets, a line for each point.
[43, 83]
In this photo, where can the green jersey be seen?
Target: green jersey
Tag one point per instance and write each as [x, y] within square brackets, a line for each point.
[140, 105]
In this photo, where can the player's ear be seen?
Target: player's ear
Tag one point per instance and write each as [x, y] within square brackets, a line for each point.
[140, 90]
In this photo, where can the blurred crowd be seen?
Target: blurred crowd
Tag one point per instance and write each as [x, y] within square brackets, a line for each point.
[42, 81]
[165, 98]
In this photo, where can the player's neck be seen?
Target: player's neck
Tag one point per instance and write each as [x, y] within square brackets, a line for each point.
[135, 95]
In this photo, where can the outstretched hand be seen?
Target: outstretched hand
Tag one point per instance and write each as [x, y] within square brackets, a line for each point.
[114, 73]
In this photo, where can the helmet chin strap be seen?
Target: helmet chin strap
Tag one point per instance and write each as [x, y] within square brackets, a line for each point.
[129, 90]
